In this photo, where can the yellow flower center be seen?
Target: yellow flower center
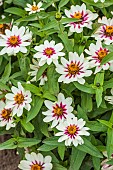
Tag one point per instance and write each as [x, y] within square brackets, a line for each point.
[58, 111]
[6, 113]
[36, 167]
[102, 54]
[34, 8]
[73, 68]
[1, 26]
[48, 51]
[13, 40]
[77, 15]
[72, 129]
[109, 30]
[19, 98]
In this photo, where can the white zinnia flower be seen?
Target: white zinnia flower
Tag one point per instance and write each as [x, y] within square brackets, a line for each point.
[1, 2]
[99, 0]
[15, 40]
[18, 100]
[104, 164]
[109, 98]
[34, 8]
[97, 53]
[80, 12]
[36, 162]
[48, 52]
[59, 110]
[104, 32]
[74, 69]
[6, 118]
[71, 131]
[35, 67]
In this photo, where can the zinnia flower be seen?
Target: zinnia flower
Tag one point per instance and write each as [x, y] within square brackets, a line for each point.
[80, 13]
[104, 32]
[74, 69]
[36, 162]
[97, 53]
[48, 52]
[35, 67]
[104, 164]
[59, 110]
[18, 100]
[71, 131]
[34, 8]
[15, 40]
[6, 118]
[109, 98]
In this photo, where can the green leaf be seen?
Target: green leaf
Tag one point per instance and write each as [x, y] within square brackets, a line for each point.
[24, 63]
[21, 2]
[35, 108]
[53, 141]
[99, 4]
[96, 162]
[108, 84]
[32, 17]
[47, 148]
[109, 146]
[4, 87]
[32, 88]
[16, 11]
[82, 113]
[49, 96]
[27, 142]
[85, 88]
[61, 152]
[68, 20]
[64, 37]
[86, 102]
[110, 162]
[106, 123]
[41, 71]
[58, 167]
[63, 3]
[99, 92]
[9, 144]
[96, 126]
[99, 78]
[77, 157]
[52, 24]
[27, 126]
[53, 84]
[88, 147]
[6, 74]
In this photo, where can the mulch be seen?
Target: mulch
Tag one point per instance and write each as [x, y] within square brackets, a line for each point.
[9, 160]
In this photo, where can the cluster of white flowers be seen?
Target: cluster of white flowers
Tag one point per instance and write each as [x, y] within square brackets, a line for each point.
[13, 104]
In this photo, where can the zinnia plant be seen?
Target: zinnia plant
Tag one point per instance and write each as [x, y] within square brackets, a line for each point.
[56, 83]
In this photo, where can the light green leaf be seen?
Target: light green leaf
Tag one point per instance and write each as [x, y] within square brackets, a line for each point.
[47, 148]
[27, 126]
[96, 162]
[27, 142]
[61, 151]
[16, 11]
[85, 88]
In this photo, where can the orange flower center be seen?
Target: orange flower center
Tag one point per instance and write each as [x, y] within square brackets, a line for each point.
[6, 114]
[19, 98]
[36, 167]
[72, 129]
[34, 8]
[73, 68]
[102, 54]
[49, 51]
[58, 111]
[13, 40]
[77, 15]
[109, 30]
[1, 26]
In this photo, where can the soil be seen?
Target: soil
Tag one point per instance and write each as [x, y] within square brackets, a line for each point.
[9, 160]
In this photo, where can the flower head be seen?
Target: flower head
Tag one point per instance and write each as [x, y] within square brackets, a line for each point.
[35, 67]
[34, 8]
[59, 110]
[1, 2]
[80, 13]
[48, 52]
[104, 164]
[105, 32]
[15, 40]
[74, 69]
[109, 98]
[97, 53]
[36, 162]
[71, 131]
[18, 99]
[6, 118]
